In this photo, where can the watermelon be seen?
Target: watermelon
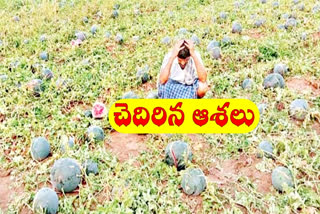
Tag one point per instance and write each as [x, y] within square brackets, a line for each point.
[304, 36]
[43, 38]
[215, 53]
[94, 29]
[153, 95]
[88, 113]
[182, 31]
[143, 74]
[262, 107]
[259, 22]
[3, 77]
[116, 6]
[60, 83]
[85, 19]
[36, 86]
[193, 182]
[115, 14]
[266, 149]
[66, 143]
[195, 39]
[275, 4]
[107, 34]
[236, 27]
[290, 23]
[80, 35]
[247, 84]
[263, 1]
[119, 38]
[47, 74]
[44, 55]
[295, 1]
[40, 148]
[98, 110]
[177, 154]
[274, 80]
[281, 177]
[65, 175]
[281, 69]
[166, 40]
[212, 44]
[95, 133]
[226, 40]
[299, 109]
[16, 18]
[223, 15]
[46, 201]
[90, 167]
[301, 7]
[129, 95]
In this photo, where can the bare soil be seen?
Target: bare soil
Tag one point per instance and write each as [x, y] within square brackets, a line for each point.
[126, 146]
[301, 85]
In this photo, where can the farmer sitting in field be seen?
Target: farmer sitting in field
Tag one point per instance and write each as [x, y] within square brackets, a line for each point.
[182, 74]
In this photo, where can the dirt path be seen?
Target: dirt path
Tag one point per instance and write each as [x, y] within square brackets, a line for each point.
[7, 190]
[302, 85]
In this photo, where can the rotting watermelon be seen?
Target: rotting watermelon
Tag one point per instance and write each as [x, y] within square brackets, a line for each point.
[65, 175]
[40, 148]
[46, 201]
[177, 154]
[193, 182]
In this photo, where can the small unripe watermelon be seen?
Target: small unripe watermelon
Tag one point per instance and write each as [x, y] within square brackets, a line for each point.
[119, 38]
[143, 74]
[3, 77]
[263, 1]
[299, 109]
[266, 149]
[130, 95]
[259, 22]
[66, 143]
[215, 53]
[94, 29]
[43, 38]
[223, 15]
[88, 113]
[195, 39]
[193, 182]
[236, 27]
[275, 4]
[36, 86]
[90, 167]
[281, 69]
[301, 7]
[115, 14]
[262, 107]
[226, 40]
[290, 23]
[40, 148]
[178, 153]
[44, 55]
[166, 40]
[16, 18]
[98, 110]
[65, 175]
[213, 44]
[182, 31]
[281, 176]
[153, 95]
[47, 74]
[107, 34]
[46, 201]
[80, 35]
[95, 133]
[273, 80]
[247, 83]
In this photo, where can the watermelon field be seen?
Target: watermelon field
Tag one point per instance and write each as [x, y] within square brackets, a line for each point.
[64, 63]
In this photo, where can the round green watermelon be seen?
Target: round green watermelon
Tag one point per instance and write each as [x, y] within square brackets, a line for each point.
[65, 175]
[299, 109]
[281, 176]
[266, 149]
[95, 133]
[178, 153]
[193, 182]
[40, 148]
[46, 201]
[274, 80]
[130, 95]
[90, 167]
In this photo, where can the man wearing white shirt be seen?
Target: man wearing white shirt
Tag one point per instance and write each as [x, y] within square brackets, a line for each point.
[182, 73]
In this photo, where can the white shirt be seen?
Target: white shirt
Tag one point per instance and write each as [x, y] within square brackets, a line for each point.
[185, 76]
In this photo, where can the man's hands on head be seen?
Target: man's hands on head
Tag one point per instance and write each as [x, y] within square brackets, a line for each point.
[190, 45]
[177, 47]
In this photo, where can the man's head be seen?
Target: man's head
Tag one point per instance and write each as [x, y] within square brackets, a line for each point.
[183, 55]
